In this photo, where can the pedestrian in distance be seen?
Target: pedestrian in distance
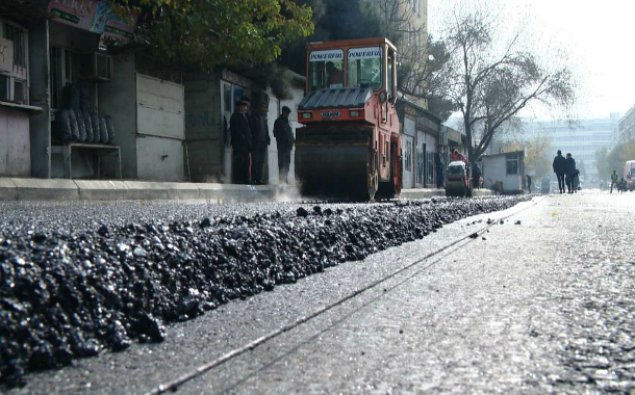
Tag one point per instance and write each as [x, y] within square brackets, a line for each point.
[284, 140]
[560, 168]
[529, 183]
[613, 180]
[476, 176]
[241, 141]
[456, 155]
[570, 173]
[261, 141]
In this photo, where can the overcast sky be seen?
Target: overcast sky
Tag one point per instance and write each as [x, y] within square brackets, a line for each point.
[598, 38]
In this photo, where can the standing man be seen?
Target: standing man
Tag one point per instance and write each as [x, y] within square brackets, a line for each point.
[613, 180]
[284, 139]
[560, 168]
[476, 176]
[529, 183]
[570, 173]
[241, 140]
[261, 140]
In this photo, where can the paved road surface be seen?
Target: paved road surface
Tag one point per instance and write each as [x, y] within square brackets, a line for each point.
[543, 306]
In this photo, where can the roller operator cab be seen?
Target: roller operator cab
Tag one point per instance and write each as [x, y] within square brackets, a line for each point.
[349, 145]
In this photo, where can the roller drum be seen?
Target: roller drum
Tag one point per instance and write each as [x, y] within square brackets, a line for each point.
[336, 162]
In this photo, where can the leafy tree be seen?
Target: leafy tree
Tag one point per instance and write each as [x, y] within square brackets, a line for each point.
[537, 154]
[601, 156]
[489, 86]
[209, 33]
[615, 158]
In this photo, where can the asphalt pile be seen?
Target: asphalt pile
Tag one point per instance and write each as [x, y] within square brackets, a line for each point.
[67, 294]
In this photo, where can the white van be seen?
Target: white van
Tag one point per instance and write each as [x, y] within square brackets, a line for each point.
[629, 174]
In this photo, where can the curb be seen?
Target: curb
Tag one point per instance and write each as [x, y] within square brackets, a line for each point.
[33, 189]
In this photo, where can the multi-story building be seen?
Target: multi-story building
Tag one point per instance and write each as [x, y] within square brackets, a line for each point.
[581, 138]
[626, 126]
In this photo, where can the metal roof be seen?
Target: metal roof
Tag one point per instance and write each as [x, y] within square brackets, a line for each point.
[336, 98]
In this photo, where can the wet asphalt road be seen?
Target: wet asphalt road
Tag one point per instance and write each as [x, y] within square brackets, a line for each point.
[543, 306]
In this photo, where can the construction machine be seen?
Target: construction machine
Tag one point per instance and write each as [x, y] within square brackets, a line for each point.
[349, 145]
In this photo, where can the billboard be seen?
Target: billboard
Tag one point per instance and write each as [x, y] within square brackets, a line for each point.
[96, 16]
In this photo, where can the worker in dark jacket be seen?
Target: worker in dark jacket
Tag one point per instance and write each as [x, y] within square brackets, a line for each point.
[570, 173]
[284, 139]
[560, 168]
[261, 140]
[241, 140]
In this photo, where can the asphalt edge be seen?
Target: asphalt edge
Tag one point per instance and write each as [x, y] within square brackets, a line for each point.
[35, 189]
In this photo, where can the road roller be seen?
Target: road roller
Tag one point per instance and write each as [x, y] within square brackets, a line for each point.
[349, 145]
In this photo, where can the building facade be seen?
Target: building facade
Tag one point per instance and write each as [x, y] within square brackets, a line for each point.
[79, 100]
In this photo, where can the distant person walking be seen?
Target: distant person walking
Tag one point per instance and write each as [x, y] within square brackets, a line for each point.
[241, 141]
[529, 183]
[560, 168]
[613, 180]
[284, 140]
[570, 173]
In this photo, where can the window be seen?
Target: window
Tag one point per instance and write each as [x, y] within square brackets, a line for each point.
[13, 63]
[325, 69]
[512, 164]
[430, 167]
[408, 156]
[4, 87]
[62, 62]
[364, 67]
[390, 82]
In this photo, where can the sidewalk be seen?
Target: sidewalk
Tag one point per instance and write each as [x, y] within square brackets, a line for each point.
[36, 189]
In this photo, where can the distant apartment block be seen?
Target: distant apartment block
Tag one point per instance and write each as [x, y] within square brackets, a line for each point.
[582, 138]
[626, 127]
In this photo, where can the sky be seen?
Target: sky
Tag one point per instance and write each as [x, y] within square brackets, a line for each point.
[596, 39]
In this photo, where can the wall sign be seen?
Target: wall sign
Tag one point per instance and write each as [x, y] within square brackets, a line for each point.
[364, 53]
[95, 16]
[323, 56]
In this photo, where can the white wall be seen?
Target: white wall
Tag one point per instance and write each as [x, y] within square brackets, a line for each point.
[15, 148]
[494, 168]
[297, 94]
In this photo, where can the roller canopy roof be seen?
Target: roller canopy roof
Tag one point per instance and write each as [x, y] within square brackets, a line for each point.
[336, 98]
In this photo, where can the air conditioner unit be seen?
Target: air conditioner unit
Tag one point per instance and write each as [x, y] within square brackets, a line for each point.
[97, 66]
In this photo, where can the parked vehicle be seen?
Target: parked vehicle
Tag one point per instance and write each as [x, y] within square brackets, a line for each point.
[458, 179]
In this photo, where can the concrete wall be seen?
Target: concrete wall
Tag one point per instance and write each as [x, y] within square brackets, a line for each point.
[15, 148]
[40, 123]
[160, 129]
[203, 127]
[117, 98]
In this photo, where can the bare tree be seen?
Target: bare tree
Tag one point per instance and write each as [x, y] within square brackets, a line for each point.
[491, 86]
[401, 22]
